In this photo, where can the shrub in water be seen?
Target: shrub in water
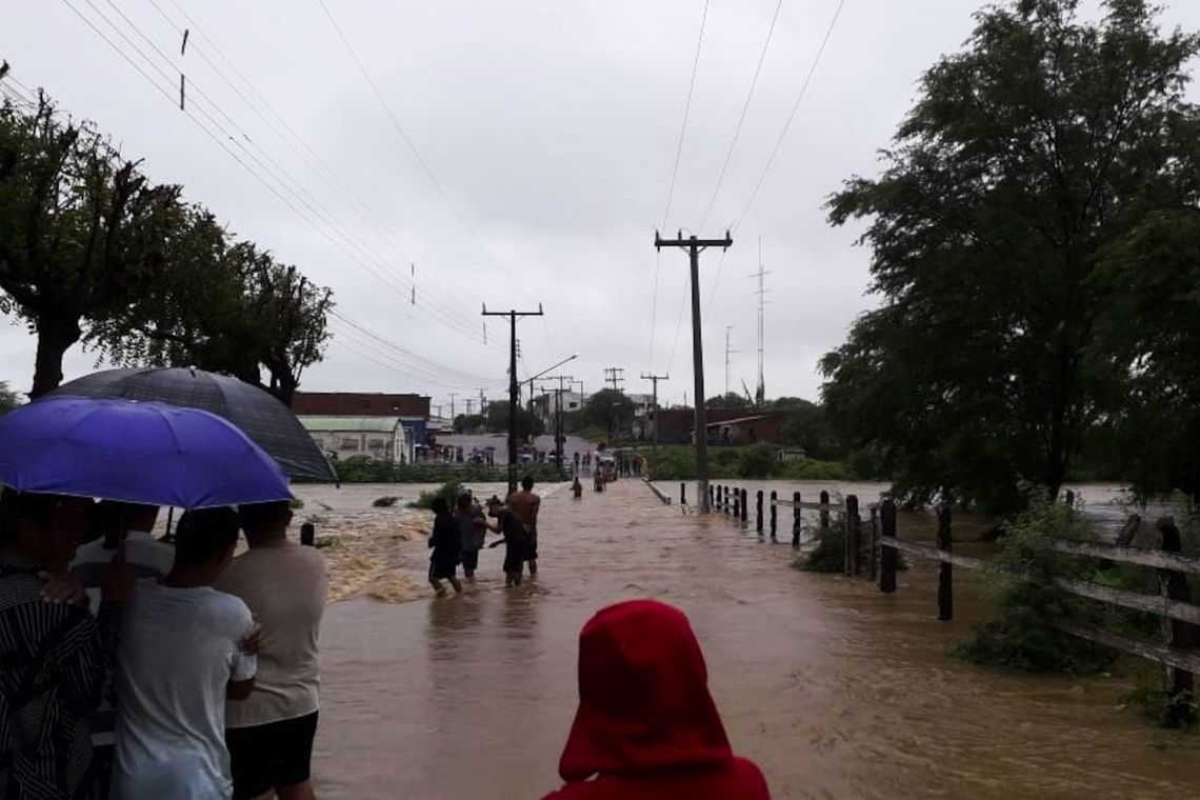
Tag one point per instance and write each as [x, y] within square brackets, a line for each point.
[449, 490]
[829, 555]
[385, 502]
[1021, 637]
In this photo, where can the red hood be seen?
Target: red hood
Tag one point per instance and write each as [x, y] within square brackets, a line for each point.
[643, 696]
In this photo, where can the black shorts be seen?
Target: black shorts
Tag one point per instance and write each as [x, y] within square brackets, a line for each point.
[262, 757]
[442, 570]
[514, 558]
[470, 560]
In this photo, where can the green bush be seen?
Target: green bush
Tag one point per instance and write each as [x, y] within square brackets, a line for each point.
[296, 504]
[759, 461]
[829, 554]
[385, 502]
[1020, 637]
[449, 490]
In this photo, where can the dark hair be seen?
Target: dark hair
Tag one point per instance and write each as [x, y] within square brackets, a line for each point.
[204, 535]
[464, 500]
[16, 506]
[527, 482]
[440, 505]
[260, 518]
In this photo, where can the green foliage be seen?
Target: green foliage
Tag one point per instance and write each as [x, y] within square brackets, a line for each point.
[829, 555]
[610, 411]
[1041, 172]
[528, 424]
[727, 400]
[1020, 638]
[296, 504]
[758, 461]
[450, 490]
[678, 463]
[472, 423]
[90, 249]
[385, 502]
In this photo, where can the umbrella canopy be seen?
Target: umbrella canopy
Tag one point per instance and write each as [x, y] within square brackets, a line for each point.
[270, 423]
[149, 453]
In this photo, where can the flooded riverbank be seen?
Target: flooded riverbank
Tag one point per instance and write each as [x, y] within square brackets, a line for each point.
[835, 690]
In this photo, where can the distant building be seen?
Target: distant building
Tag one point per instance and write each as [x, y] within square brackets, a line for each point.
[545, 406]
[752, 429]
[378, 438]
[411, 409]
[678, 425]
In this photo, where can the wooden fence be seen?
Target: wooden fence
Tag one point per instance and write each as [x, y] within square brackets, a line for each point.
[871, 548]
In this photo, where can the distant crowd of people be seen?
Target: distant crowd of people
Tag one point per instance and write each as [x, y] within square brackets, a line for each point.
[138, 669]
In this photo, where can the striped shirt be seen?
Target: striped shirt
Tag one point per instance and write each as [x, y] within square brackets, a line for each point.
[51, 672]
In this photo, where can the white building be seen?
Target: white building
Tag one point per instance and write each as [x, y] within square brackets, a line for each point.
[378, 438]
[545, 406]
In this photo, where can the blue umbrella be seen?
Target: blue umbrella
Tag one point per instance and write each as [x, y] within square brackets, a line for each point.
[149, 453]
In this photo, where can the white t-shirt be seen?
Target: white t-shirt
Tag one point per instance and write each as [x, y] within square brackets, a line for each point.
[148, 557]
[285, 587]
[179, 649]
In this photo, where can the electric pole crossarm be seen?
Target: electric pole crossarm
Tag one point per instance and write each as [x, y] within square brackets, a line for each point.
[694, 245]
[513, 386]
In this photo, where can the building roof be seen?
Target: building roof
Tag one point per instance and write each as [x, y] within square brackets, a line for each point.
[739, 420]
[350, 424]
[360, 404]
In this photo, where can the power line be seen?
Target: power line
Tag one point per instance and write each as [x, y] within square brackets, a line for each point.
[779, 142]
[443, 315]
[296, 142]
[687, 109]
[762, 56]
[399, 128]
[792, 116]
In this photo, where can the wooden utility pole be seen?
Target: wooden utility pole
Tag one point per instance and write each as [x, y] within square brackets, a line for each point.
[654, 379]
[513, 386]
[559, 425]
[614, 376]
[694, 246]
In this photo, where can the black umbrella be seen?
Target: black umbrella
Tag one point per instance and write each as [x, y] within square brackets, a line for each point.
[260, 415]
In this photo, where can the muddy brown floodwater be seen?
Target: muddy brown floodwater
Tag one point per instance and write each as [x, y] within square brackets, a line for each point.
[835, 690]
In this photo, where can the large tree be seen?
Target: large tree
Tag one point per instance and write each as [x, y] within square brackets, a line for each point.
[610, 410]
[81, 230]
[1028, 159]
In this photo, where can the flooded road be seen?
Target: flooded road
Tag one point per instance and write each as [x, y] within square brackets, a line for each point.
[835, 690]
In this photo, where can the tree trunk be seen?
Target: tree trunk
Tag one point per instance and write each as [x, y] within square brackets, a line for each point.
[55, 335]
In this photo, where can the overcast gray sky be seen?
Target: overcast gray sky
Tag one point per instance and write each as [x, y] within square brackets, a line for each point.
[546, 134]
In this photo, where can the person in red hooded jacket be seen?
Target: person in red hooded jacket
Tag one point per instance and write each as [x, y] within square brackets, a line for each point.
[647, 726]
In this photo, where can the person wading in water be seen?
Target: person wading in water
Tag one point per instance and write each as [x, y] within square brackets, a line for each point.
[514, 540]
[526, 504]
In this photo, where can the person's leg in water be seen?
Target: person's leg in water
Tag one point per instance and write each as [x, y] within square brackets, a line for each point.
[457, 586]
[532, 553]
[437, 587]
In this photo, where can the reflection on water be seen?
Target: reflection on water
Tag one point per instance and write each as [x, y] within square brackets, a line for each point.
[834, 689]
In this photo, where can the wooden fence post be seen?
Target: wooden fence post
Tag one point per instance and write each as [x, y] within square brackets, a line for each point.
[308, 534]
[824, 512]
[710, 497]
[725, 498]
[945, 568]
[1173, 585]
[736, 497]
[745, 506]
[682, 494]
[889, 555]
[796, 519]
[758, 512]
[850, 546]
[774, 515]
[874, 542]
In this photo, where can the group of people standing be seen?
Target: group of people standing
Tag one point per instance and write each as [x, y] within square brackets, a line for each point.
[459, 536]
[200, 680]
